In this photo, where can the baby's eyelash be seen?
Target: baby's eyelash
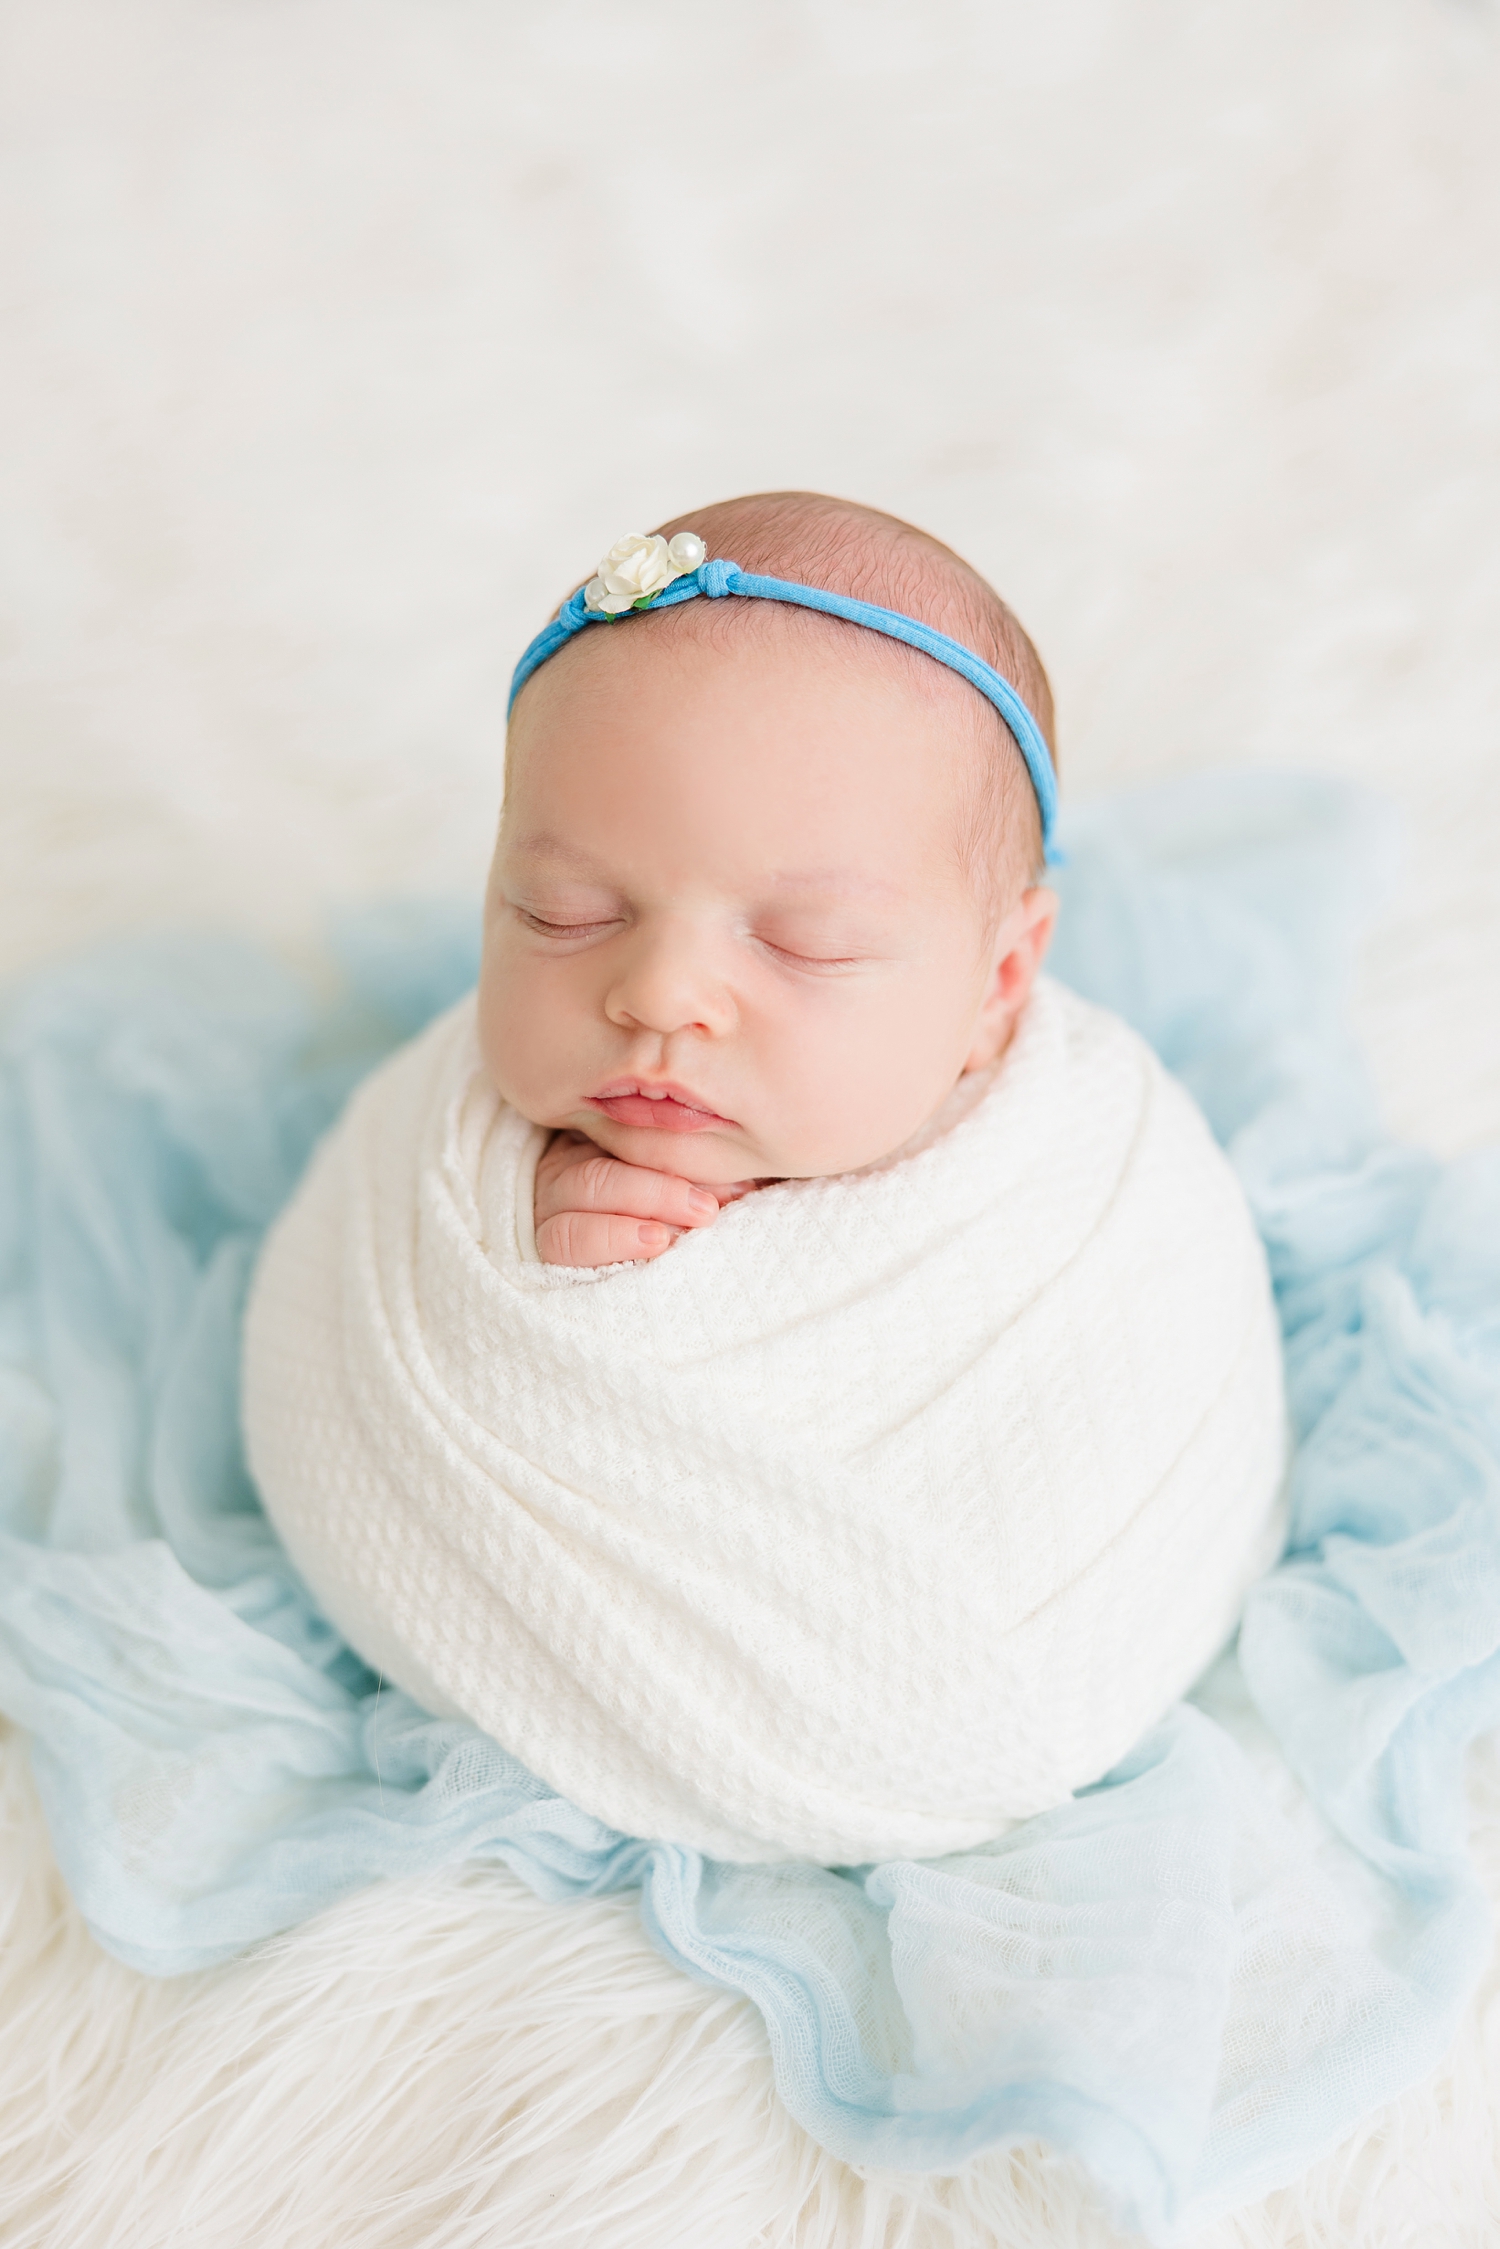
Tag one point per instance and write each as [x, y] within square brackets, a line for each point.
[816, 963]
[546, 928]
[811, 960]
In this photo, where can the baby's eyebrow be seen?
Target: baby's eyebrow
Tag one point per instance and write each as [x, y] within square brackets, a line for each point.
[837, 881]
[544, 846]
[825, 882]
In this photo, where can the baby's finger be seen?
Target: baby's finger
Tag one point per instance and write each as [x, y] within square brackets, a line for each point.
[590, 1237]
[596, 1182]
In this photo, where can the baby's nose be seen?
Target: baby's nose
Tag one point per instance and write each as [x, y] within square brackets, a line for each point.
[667, 982]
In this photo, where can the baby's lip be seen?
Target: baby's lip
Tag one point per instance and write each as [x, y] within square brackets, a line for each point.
[655, 1102]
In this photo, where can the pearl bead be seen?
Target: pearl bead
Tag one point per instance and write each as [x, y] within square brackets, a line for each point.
[686, 549]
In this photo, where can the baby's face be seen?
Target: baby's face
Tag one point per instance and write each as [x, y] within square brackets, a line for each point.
[729, 931]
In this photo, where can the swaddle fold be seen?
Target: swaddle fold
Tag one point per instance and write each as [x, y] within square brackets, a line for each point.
[888, 1510]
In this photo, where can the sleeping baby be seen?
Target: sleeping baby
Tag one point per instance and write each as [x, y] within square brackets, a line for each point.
[802, 1381]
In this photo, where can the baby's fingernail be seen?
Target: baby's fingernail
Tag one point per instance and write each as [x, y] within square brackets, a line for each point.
[702, 1204]
[652, 1235]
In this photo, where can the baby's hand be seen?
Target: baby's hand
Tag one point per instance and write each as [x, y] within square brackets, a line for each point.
[591, 1209]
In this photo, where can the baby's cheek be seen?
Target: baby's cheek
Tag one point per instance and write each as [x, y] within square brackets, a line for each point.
[827, 1114]
[523, 1041]
[865, 1086]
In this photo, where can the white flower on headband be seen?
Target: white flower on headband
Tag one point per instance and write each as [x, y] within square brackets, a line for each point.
[638, 568]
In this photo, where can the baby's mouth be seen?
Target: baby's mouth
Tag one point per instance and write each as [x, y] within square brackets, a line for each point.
[665, 1108]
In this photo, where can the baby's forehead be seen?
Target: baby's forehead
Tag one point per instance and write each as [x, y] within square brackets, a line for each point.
[770, 747]
[763, 650]
[775, 654]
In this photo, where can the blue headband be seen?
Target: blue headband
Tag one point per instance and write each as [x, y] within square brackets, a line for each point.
[716, 579]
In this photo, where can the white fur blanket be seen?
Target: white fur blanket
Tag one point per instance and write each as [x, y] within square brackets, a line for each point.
[888, 1510]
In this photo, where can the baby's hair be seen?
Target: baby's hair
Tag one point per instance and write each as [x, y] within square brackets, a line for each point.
[855, 550]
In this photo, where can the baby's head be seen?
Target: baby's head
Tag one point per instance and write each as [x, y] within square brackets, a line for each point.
[773, 864]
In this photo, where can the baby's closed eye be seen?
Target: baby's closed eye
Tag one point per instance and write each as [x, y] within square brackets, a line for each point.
[815, 943]
[559, 928]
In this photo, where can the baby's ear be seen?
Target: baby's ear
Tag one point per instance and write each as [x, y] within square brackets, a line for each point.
[1019, 948]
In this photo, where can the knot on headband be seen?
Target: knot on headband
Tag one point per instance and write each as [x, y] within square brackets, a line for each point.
[719, 578]
[642, 572]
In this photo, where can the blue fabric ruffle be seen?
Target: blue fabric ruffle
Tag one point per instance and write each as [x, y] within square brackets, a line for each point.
[1196, 1976]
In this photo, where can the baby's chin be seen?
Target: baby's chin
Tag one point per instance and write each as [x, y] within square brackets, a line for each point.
[726, 1154]
[709, 1157]
[712, 1157]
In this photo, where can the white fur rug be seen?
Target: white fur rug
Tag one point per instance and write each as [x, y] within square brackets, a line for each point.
[406, 2070]
[339, 336]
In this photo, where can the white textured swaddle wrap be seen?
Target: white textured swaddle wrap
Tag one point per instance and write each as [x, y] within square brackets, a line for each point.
[885, 1510]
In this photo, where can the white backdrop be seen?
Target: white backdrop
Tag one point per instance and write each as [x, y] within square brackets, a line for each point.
[338, 337]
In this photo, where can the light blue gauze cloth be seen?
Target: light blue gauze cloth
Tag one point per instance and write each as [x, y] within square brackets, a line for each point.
[1195, 1976]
